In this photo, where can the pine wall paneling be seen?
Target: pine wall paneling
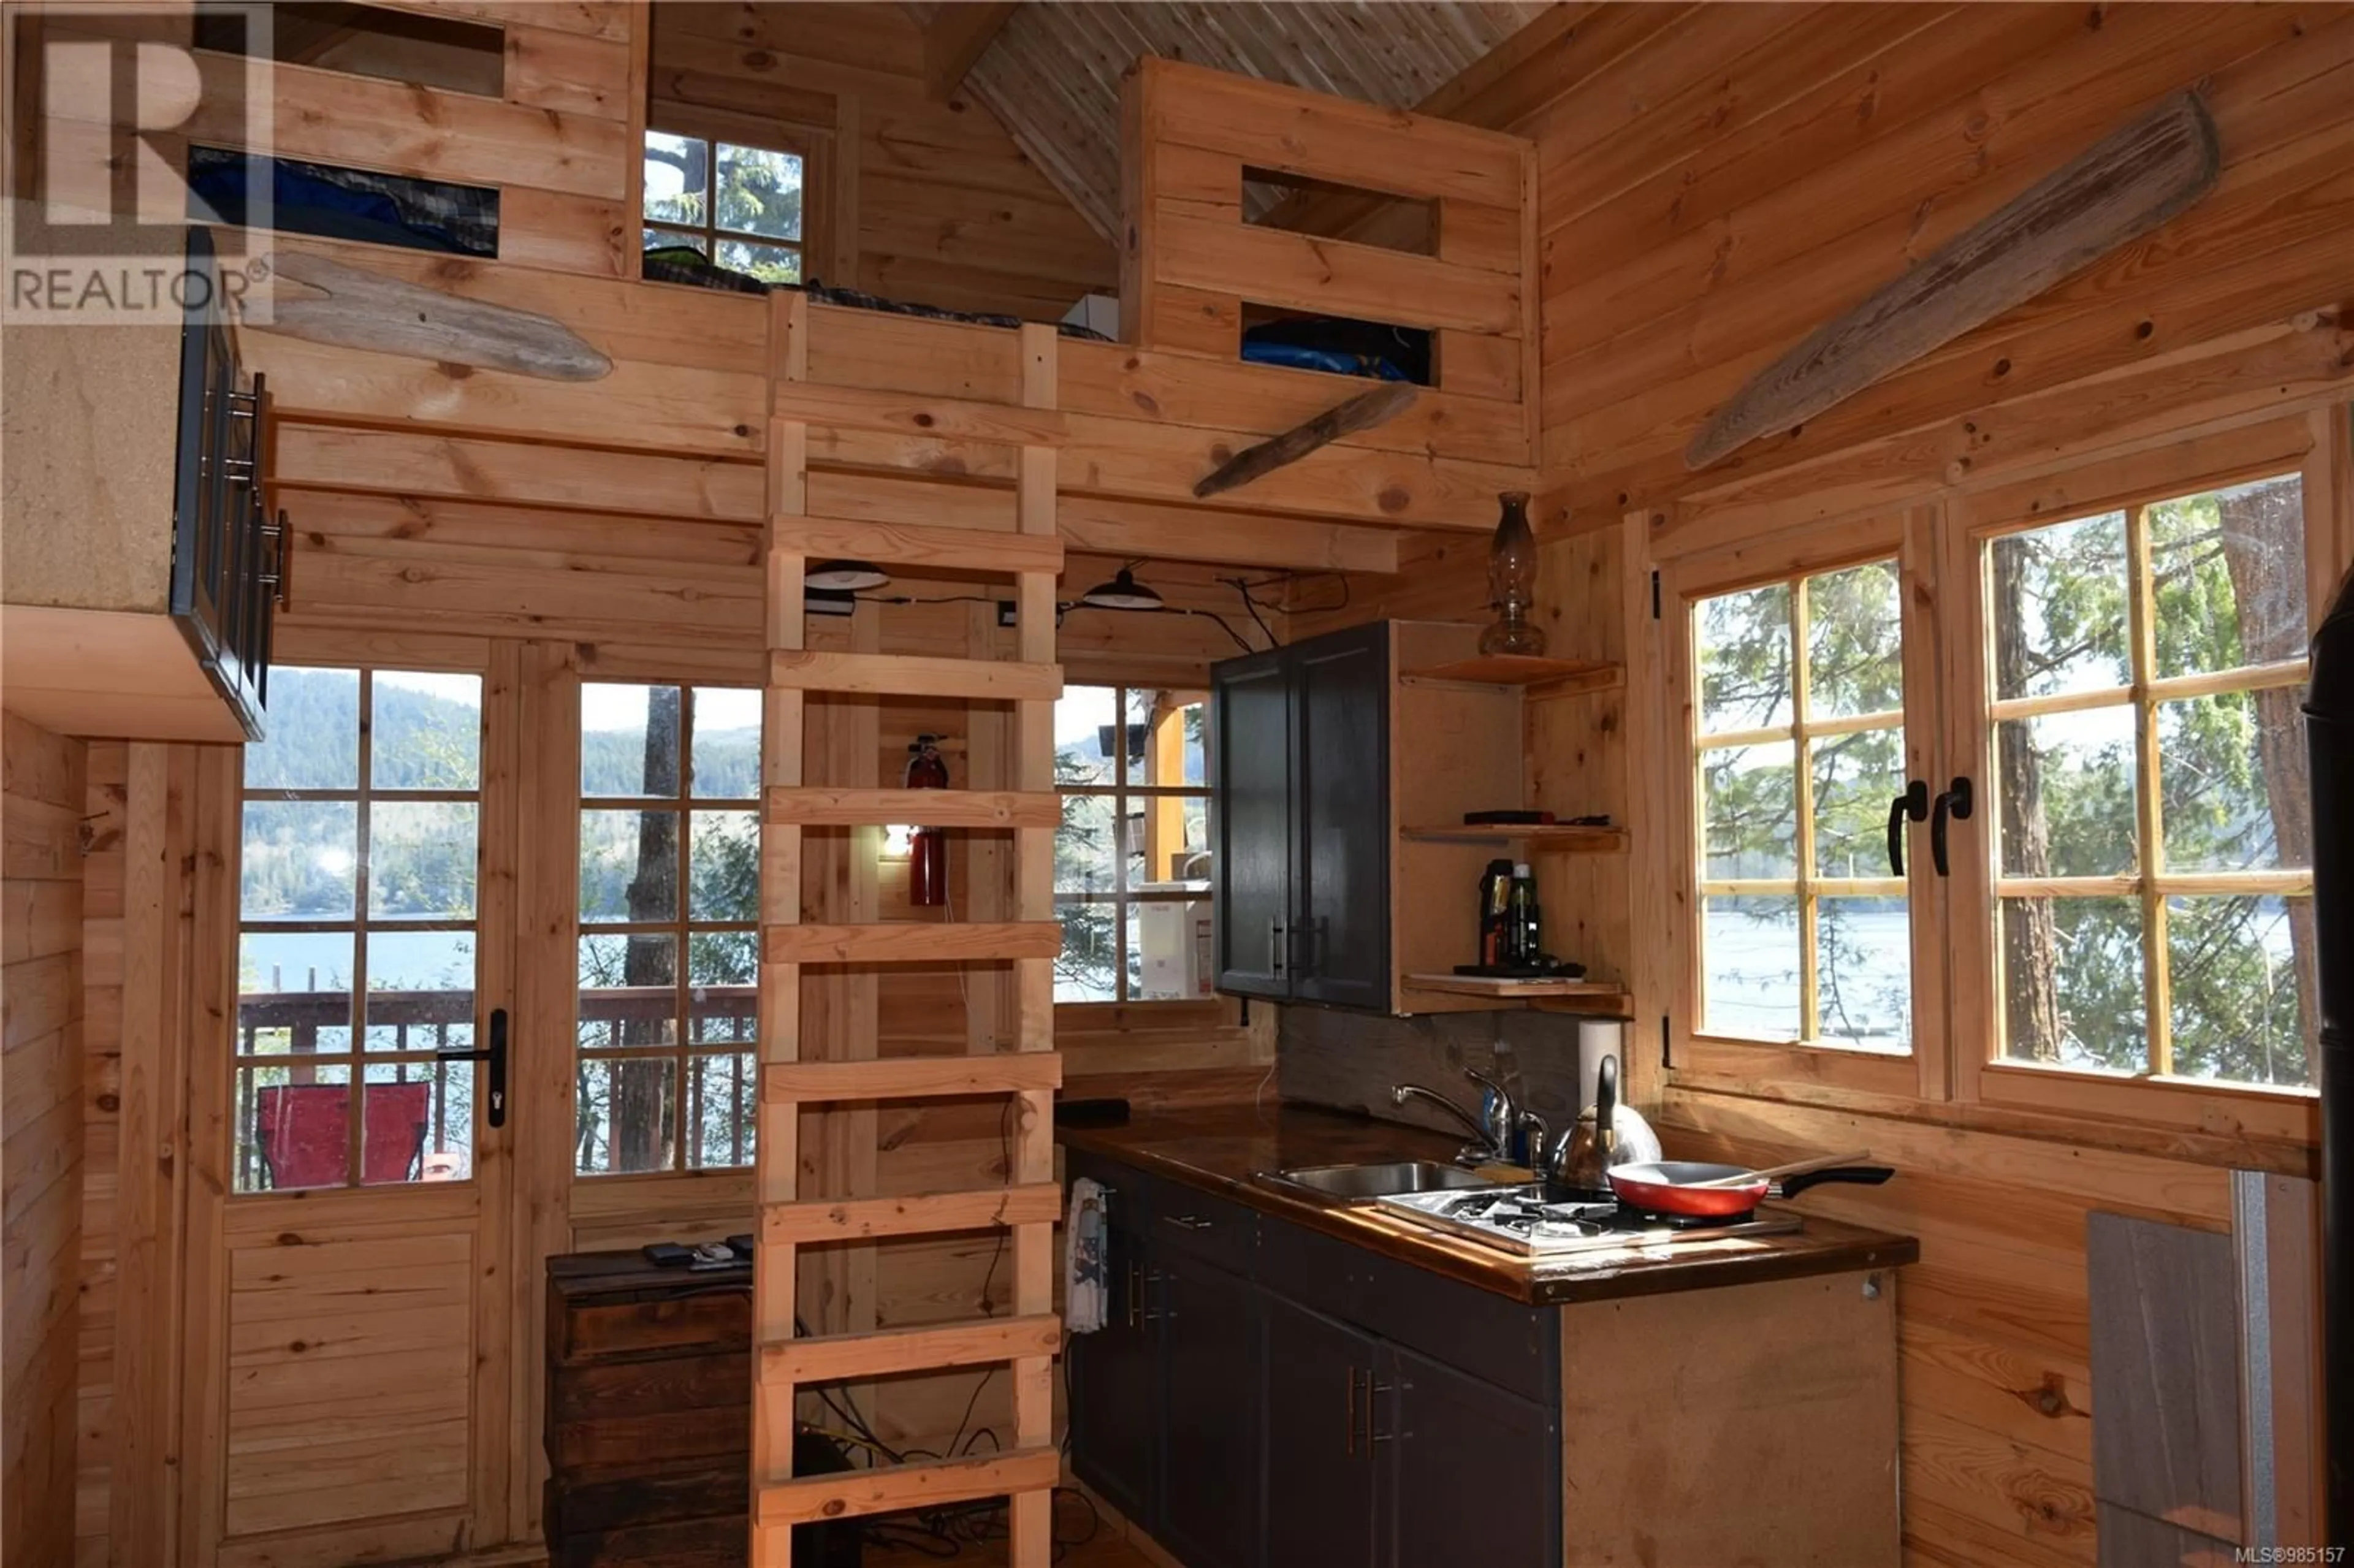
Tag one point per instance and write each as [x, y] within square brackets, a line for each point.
[935, 204]
[42, 1146]
[1716, 181]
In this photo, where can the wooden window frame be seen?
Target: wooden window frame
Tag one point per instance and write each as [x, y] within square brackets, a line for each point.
[1697, 1058]
[682, 1051]
[2125, 484]
[358, 1058]
[814, 148]
[1162, 802]
[1955, 1060]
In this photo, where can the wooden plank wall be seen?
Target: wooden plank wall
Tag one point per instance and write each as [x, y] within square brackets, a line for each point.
[1715, 182]
[40, 1134]
[937, 204]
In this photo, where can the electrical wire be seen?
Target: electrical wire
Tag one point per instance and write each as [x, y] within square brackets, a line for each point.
[1250, 604]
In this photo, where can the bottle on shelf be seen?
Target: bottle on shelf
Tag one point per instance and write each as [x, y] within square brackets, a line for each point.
[1524, 941]
[1495, 911]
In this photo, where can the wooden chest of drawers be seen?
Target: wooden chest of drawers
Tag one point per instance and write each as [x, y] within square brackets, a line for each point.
[649, 1428]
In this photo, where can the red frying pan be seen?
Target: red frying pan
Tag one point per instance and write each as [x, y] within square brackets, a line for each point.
[1692, 1189]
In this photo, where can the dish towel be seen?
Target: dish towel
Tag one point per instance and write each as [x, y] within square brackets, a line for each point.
[1087, 1295]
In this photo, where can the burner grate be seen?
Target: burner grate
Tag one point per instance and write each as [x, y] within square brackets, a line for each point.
[1518, 1219]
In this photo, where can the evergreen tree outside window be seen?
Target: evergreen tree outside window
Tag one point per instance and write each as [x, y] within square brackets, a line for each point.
[1131, 858]
[669, 943]
[740, 206]
[2153, 809]
[357, 934]
[1806, 932]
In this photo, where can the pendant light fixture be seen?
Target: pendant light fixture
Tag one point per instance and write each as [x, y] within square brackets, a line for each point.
[1123, 592]
[848, 577]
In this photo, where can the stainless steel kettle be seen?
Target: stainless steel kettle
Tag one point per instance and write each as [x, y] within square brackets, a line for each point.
[1605, 1134]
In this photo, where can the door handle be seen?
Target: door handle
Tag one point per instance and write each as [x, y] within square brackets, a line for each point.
[1956, 802]
[1276, 948]
[1350, 1426]
[1373, 1388]
[1913, 804]
[496, 1055]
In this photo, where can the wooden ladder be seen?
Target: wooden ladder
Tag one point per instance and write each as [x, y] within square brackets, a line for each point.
[1029, 1204]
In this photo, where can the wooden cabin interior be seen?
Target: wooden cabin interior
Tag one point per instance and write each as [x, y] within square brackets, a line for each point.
[1756, 562]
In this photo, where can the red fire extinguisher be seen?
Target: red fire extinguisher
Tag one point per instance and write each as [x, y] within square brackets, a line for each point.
[927, 848]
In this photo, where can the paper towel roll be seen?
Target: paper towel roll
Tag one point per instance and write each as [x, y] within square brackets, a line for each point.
[1598, 1038]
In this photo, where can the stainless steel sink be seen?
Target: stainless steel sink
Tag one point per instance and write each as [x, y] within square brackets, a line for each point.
[1388, 1179]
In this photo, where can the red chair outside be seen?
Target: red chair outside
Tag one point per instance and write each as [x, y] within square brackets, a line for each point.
[305, 1134]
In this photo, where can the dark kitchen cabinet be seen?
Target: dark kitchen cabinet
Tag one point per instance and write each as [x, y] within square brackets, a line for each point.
[1251, 749]
[1210, 1330]
[1301, 774]
[1339, 948]
[1319, 1459]
[1446, 1436]
[1115, 1372]
[1264, 1395]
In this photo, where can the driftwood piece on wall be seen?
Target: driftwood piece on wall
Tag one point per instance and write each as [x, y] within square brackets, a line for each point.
[354, 308]
[1361, 412]
[2120, 189]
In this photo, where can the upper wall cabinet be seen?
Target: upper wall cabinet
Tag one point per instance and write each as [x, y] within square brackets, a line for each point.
[143, 561]
[1342, 769]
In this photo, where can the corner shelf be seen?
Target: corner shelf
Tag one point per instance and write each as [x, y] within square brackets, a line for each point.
[1596, 997]
[1552, 676]
[1551, 837]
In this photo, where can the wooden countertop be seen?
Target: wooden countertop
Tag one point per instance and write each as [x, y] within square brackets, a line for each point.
[1221, 1149]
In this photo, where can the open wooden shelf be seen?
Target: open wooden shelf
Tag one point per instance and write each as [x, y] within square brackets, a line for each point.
[1518, 670]
[1552, 838]
[1592, 996]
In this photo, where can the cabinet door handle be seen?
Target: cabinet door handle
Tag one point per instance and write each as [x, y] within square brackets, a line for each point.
[1371, 1389]
[1135, 1297]
[1188, 1222]
[1349, 1426]
[1275, 948]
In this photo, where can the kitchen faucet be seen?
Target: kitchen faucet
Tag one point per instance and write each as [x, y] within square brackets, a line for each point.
[1493, 1131]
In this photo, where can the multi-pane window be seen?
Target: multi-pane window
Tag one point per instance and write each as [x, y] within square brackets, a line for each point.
[739, 206]
[1805, 933]
[1133, 857]
[356, 931]
[668, 944]
[2152, 809]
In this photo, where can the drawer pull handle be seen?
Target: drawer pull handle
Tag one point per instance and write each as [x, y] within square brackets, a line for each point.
[1188, 1222]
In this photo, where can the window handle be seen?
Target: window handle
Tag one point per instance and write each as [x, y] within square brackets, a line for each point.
[1913, 803]
[496, 1055]
[1955, 802]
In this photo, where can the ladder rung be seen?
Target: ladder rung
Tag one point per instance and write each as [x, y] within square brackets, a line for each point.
[912, 942]
[833, 1358]
[817, 807]
[911, 1077]
[889, 1488]
[913, 414]
[1000, 553]
[914, 675]
[920, 1213]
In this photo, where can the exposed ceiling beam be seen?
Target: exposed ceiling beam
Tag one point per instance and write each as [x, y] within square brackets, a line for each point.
[959, 32]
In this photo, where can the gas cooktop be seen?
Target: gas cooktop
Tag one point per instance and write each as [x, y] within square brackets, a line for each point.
[1517, 1219]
